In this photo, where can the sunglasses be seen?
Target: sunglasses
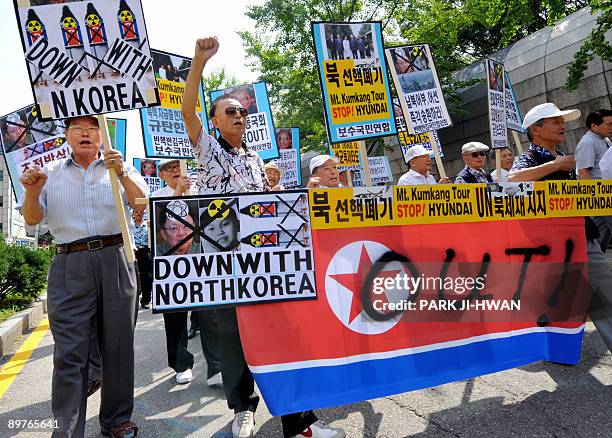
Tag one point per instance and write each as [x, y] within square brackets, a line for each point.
[478, 154]
[232, 110]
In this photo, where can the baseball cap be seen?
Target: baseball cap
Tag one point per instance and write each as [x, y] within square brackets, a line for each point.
[69, 120]
[163, 163]
[474, 146]
[546, 111]
[319, 160]
[416, 151]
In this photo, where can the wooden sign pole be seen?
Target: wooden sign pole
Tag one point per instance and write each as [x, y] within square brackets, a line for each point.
[498, 165]
[364, 164]
[517, 140]
[436, 151]
[127, 241]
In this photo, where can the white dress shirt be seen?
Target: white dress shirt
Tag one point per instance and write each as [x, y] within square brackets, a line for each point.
[412, 178]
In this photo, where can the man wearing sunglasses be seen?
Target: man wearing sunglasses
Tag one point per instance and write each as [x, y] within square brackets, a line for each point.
[227, 166]
[474, 155]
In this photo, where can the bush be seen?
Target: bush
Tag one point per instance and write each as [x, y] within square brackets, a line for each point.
[23, 272]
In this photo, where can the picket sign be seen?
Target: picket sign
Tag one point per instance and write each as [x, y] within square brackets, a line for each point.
[436, 151]
[498, 165]
[517, 140]
[367, 179]
[127, 241]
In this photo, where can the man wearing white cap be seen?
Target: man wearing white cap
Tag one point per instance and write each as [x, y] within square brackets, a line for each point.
[474, 155]
[324, 170]
[545, 126]
[176, 184]
[420, 166]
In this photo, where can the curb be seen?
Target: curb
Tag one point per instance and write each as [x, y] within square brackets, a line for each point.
[20, 323]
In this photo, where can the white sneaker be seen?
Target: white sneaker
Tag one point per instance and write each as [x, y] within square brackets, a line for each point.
[215, 380]
[244, 425]
[320, 430]
[184, 377]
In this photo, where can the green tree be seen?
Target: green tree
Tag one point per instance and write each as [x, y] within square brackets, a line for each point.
[595, 44]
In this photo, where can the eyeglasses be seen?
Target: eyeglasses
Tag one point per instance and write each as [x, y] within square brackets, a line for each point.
[171, 168]
[173, 230]
[231, 111]
[78, 130]
[478, 154]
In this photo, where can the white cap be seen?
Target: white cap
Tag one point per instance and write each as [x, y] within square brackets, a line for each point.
[546, 111]
[273, 165]
[320, 160]
[474, 146]
[163, 163]
[416, 151]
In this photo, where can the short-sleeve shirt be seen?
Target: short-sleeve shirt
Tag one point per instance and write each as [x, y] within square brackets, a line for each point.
[606, 165]
[536, 156]
[79, 203]
[589, 151]
[223, 169]
[413, 178]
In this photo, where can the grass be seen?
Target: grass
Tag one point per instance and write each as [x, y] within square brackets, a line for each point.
[13, 304]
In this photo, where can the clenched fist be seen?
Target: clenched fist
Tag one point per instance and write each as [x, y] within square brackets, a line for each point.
[206, 47]
[33, 180]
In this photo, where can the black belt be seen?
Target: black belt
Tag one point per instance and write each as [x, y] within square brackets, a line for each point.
[89, 245]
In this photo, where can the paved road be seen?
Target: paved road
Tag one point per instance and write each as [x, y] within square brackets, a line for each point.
[539, 400]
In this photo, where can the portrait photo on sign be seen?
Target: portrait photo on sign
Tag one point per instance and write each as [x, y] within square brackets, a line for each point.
[349, 41]
[23, 128]
[283, 138]
[176, 227]
[413, 70]
[245, 94]
[496, 76]
[170, 68]
[219, 225]
[148, 168]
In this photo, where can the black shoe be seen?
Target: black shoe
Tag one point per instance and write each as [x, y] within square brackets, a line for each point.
[191, 333]
[144, 306]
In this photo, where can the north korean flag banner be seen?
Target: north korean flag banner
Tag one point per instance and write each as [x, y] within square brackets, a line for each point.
[406, 307]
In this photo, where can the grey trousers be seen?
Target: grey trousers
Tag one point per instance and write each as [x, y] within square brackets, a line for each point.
[92, 292]
[604, 225]
[600, 277]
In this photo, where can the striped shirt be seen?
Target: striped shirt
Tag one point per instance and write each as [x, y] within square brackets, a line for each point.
[79, 202]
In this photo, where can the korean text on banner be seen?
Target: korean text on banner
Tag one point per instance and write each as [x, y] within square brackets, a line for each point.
[27, 140]
[354, 83]
[149, 171]
[163, 129]
[259, 135]
[416, 82]
[496, 96]
[289, 160]
[212, 251]
[87, 58]
[408, 141]
[514, 120]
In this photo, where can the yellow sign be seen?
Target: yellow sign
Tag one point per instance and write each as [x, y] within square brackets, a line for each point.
[347, 153]
[408, 139]
[355, 93]
[171, 94]
[456, 203]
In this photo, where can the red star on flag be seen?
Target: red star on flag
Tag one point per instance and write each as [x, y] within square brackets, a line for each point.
[355, 280]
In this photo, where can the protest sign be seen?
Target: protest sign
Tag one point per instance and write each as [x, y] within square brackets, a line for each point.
[163, 128]
[348, 154]
[409, 307]
[148, 169]
[27, 140]
[417, 85]
[353, 75]
[456, 203]
[86, 58]
[496, 98]
[514, 121]
[289, 160]
[380, 169]
[408, 141]
[225, 250]
[260, 133]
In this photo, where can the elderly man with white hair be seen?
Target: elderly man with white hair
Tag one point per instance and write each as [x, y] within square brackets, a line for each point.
[324, 170]
[420, 166]
[474, 155]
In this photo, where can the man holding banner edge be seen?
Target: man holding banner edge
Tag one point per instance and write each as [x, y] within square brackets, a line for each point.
[226, 166]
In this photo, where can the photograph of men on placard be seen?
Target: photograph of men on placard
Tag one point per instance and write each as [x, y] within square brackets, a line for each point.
[171, 68]
[176, 228]
[148, 168]
[220, 226]
[15, 132]
[283, 138]
[348, 41]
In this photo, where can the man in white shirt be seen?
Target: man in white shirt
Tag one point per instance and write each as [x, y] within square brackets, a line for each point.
[507, 159]
[420, 166]
[176, 184]
[605, 165]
